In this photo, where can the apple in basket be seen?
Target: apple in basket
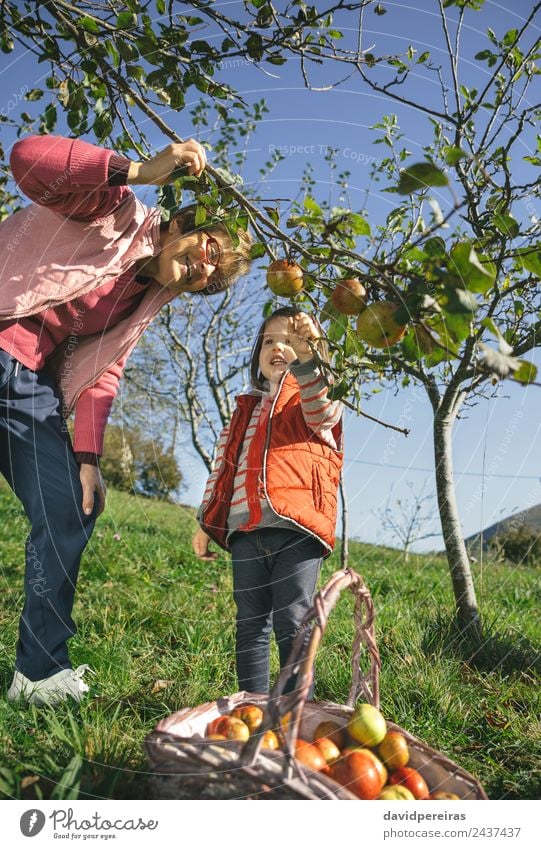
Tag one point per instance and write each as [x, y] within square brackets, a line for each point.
[367, 725]
[331, 730]
[251, 715]
[310, 756]
[231, 727]
[270, 741]
[328, 749]
[443, 796]
[412, 780]
[383, 774]
[396, 794]
[393, 750]
[358, 773]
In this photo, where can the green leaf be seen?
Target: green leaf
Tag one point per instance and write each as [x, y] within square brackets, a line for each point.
[6, 43]
[34, 94]
[50, 117]
[460, 301]
[257, 250]
[380, 10]
[529, 259]
[457, 325]
[437, 356]
[475, 275]
[489, 324]
[328, 311]
[88, 24]
[268, 309]
[254, 46]
[423, 57]
[273, 214]
[353, 347]
[337, 327]
[167, 202]
[103, 126]
[455, 154]
[310, 204]
[359, 225]
[75, 120]
[420, 176]
[410, 348]
[127, 50]
[434, 246]
[126, 20]
[510, 37]
[200, 215]
[338, 390]
[507, 225]
[525, 373]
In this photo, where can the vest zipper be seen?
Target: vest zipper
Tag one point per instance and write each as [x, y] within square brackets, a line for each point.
[264, 470]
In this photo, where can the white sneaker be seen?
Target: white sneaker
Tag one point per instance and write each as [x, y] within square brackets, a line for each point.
[50, 691]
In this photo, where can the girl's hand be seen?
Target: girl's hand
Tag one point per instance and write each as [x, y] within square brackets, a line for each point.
[303, 332]
[200, 543]
[93, 485]
[158, 170]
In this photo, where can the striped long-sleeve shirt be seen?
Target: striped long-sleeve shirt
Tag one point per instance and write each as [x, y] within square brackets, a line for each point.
[320, 414]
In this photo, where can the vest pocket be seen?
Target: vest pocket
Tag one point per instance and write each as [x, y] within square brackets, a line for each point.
[317, 492]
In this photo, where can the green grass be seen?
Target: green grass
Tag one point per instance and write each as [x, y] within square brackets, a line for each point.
[148, 610]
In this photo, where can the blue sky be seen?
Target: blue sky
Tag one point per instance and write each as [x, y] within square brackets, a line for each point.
[502, 435]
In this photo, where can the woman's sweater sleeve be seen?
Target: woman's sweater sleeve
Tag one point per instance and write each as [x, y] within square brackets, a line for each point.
[92, 410]
[69, 176]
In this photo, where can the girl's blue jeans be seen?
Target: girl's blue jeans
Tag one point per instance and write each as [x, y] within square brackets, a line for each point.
[275, 571]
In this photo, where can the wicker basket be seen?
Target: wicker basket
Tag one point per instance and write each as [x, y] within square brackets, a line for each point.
[185, 765]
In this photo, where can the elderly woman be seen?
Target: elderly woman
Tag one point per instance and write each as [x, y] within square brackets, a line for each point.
[84, 270]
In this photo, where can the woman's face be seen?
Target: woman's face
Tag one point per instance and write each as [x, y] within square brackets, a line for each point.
[183, 262]
[276, 352]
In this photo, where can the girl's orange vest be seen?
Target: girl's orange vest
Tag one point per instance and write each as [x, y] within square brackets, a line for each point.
[297, 471]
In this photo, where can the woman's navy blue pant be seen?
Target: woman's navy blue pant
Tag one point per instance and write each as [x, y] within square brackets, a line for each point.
[37, 460]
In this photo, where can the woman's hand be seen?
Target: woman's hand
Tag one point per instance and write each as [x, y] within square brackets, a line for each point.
[92, 483]
[303, 336]
[158, 170]
[200, 543]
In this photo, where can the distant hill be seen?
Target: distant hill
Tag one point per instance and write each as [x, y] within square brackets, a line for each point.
[529, 518]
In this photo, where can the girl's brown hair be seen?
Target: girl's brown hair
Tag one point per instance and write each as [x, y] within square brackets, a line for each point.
[234, 262]
[256, 378]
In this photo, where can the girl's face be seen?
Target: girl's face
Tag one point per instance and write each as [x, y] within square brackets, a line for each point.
[183, 262]
[276, 351]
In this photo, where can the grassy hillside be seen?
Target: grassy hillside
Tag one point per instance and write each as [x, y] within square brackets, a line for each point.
[148, 610]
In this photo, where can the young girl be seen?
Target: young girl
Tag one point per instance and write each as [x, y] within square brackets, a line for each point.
[271, 497]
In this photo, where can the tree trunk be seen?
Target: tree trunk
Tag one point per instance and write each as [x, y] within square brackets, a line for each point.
[467, 611]
[344, 548]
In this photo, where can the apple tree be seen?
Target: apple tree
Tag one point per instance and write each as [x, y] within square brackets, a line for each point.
[451, 277]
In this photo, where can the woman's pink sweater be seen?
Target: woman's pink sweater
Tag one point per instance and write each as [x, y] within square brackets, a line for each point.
[70, 179]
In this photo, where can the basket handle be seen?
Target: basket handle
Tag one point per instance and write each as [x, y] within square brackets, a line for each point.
[303, 653]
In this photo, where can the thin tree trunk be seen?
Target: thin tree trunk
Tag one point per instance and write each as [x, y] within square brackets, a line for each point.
[467, 612]
[344, 548]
